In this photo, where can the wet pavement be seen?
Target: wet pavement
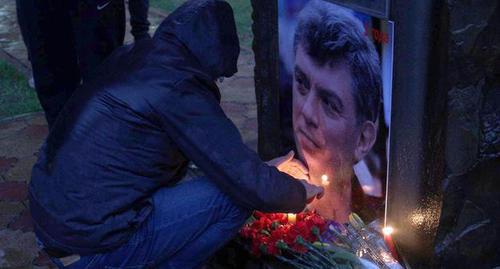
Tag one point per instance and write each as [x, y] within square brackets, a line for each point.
[21, 136]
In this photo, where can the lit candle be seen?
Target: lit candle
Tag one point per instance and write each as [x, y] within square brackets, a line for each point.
[292, 218]
[387, 231]
[324, 180]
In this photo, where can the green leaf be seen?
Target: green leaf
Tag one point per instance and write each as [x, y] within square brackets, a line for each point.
[315, 231]
[281, 244]
[263, 249]
[356, 221]
[300, 240]
[250, 220]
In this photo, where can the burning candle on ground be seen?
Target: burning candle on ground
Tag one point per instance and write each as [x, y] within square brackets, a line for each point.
[292, 218]
[387, 231]
[324, 180]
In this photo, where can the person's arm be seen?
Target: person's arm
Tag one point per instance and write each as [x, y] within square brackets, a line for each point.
[196, 123]
[139, 18]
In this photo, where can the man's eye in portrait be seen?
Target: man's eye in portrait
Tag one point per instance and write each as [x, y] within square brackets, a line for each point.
[330, 108]
[302, 81]
[331, 103]
[301, 89]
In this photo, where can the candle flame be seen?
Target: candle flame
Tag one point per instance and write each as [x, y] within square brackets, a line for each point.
[387, 230]
[324, 180]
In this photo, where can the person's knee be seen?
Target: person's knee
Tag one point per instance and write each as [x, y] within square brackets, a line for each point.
[201, 193]
[239, 215]
[233, 211]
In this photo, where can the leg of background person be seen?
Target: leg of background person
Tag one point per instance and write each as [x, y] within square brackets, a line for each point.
[189, 222]
[99, 27]
[138, 10]
[46, 30]
[25, 11]
[23, 25]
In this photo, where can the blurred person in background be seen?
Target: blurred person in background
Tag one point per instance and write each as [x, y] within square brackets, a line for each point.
[67, 40]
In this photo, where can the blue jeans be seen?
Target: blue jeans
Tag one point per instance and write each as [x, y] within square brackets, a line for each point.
[189, 222]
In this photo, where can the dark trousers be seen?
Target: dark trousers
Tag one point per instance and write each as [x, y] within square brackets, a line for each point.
[66, 40]
[139, 18]
[189, 222]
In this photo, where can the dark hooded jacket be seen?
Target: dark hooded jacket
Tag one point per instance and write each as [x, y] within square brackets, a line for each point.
[132, 129]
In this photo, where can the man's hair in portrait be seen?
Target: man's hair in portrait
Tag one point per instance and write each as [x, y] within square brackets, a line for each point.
[330, 34]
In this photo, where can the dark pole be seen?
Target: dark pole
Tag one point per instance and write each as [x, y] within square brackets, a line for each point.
[418, 125]
[265, 47]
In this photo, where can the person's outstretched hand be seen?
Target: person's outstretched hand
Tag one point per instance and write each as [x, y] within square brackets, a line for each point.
[288, 164]
[295, 168]
[312, 191]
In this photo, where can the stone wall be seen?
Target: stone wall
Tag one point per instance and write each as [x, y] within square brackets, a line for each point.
[469, 232]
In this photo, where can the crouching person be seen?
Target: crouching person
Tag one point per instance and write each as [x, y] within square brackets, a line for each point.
[105, 191]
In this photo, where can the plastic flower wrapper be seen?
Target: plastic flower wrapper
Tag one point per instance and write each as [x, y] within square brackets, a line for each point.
[362, 240]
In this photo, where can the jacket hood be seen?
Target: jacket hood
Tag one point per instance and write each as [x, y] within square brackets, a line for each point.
[207, 29]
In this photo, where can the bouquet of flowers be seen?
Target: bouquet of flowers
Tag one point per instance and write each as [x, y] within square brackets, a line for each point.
[307, 240]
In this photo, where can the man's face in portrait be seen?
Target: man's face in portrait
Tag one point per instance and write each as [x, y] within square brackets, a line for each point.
[324, 115]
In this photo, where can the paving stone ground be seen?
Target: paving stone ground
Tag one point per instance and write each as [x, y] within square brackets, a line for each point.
[21, 137]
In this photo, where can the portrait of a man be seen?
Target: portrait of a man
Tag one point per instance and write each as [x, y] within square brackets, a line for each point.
[336, 93]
